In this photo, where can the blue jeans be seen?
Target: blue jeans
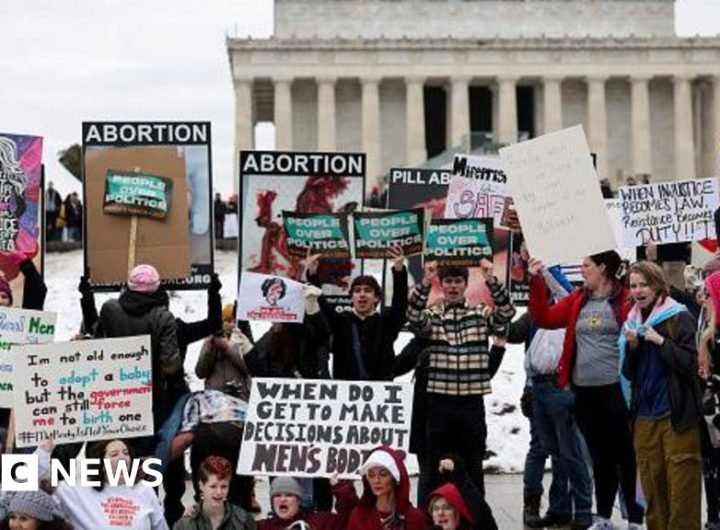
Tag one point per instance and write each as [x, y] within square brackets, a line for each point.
[167, 432]
[555, 421]
[559, 498]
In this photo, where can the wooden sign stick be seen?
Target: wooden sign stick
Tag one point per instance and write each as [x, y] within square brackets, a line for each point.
[133, 236]
[10, 441]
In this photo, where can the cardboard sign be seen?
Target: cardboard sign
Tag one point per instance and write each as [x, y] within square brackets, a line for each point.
[478, 189]
[270, 298]
[461, 242]
[83, 391]
[325, 234]
[137, 194]
[557, 196]
[181, 247]
[376, 232]
[20, 326]
[669, 212]
[614, 211]
[21, 207]
[305, 183]
[427, 189]
[314, 428]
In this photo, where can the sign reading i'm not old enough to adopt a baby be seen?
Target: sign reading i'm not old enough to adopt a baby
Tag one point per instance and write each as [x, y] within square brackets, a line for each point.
[83, 390]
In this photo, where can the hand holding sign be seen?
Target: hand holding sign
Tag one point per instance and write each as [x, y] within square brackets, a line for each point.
[486, 269]
[430, 273]
[396, 253]
[535, 266]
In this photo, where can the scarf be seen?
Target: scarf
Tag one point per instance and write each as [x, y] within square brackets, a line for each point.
[660, 313]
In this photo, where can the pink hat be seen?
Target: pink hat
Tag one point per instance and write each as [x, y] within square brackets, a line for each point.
[144, 279]
[712, 284]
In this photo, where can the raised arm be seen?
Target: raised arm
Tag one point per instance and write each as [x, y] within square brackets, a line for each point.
[417, 314]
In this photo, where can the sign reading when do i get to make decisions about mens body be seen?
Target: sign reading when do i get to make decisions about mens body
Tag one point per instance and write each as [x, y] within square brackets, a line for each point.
[311, 428]
[83, 390]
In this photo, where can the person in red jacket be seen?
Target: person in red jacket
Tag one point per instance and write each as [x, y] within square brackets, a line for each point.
[593, 316]
[448, 509]
[385, 502]
[286, 494]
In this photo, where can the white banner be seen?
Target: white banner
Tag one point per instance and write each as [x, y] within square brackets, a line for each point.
[83, 390]
[270, 298]
[669, 212]
[20, 326]
[557, 196]
[312, 428]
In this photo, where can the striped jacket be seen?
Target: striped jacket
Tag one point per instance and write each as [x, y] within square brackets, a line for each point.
[458, 339]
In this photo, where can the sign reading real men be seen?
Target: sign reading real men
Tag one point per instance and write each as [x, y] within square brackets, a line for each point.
[315, 428]
[376, 232]
[461, 242]
[137, 194]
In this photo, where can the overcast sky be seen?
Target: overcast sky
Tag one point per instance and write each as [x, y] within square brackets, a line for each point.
[72, 60]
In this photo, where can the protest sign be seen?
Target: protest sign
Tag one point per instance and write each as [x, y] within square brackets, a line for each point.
[377, 231]
[20, 326]
[315, 428]
[478, 189]
[317, 233]
[180, 247]
[83, 390]
[270, 298]
[614, 211]
[21, 212]
[427, 189]
[460, 242]
[669, 212]
[137, 194]
[557, 196]
[304, 183]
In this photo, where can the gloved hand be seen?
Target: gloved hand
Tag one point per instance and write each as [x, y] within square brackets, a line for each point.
[84, 285]
[526, 402]
[215, 283]
[10, 261]
[312, 293]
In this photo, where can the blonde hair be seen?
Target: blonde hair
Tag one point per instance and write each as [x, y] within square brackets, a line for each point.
[654, 276]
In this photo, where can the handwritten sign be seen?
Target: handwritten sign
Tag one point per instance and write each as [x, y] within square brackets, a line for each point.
[270, 298]
[325, 234]
[307, 428]
[137, 194]
[375, 232]
[83, 390]
[478, 189]
[20, 326]
[461, 242]
[557, 196]
[668, 212]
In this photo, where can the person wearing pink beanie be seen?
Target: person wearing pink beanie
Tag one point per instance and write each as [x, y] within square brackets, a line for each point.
[144, 279]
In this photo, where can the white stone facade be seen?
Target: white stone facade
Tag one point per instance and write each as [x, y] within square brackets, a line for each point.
[648, 104]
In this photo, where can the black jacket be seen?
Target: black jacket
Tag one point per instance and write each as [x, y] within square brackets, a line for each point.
[34, 289]
[679, 354]
[377, 333]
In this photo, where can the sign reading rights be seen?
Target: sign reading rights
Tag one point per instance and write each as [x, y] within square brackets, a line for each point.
[20, 326]
[310, 428]
[376, 232]
[316, 233]
[669, 212]
[461, 242]
[137, 194]
[83, 390]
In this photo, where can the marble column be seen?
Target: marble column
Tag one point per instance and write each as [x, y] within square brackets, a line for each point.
[326, 114]
[715, 124]
[552, 103]
[244, 123]
[283, 114]
[415, 151]
[597, 123]
[460, 111]
[684, 145]
[507, 111]
[640, 125]
[371, 128]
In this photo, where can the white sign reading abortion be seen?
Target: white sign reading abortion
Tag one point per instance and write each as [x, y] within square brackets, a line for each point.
[20, 326]
[311, 428]
[83, 390]
[669, 212]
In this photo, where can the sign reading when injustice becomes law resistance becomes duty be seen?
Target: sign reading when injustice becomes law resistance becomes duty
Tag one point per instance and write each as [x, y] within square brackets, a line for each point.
[314, 428]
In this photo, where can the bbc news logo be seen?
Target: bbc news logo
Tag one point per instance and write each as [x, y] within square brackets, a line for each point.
[21, 472]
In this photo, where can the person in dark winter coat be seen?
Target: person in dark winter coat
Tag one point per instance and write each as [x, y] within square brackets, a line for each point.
[385, 502]
[457, 504]
[661, 362]
[363, 338]
[286, 495]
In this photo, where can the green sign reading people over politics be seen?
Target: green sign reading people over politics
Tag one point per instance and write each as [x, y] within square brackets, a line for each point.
[139, 194]
[461, 242]
[317, 233]
[376, 232]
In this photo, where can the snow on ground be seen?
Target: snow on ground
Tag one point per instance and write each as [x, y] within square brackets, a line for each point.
[508, 430]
